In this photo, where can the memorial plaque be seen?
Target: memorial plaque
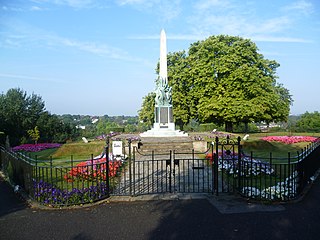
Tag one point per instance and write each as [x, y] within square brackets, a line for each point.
[156, 114]
[170, 115]
[163, 115]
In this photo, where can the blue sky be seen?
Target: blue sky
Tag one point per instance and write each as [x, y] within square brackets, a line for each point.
[98, 57]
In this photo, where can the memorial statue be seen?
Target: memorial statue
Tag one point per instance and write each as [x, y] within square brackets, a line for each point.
[163, 92]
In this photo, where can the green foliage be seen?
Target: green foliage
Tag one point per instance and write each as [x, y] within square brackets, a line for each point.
[208, 127]
[234, 83]
[9, 170]
[130, 128]
[146, 113]
[2, 138]
[224, 80]
[193, 125]
[55, 130]
[178, 75]
[308, 122]
[241, 128]
[19, 112]
[34, 134]
[114, 129]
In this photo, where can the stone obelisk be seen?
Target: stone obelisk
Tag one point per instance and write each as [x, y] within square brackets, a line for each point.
[163, 73]
[163, 121]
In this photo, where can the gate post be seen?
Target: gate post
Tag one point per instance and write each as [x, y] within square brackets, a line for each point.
[130, 174]
[212, 166]
[107, 166]
[216, 169]
[239, 162]
[170, 171]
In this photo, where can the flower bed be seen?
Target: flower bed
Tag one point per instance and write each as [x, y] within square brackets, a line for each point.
[281, 191]
[254, 171]
[229, 163]
[35, 147]
[95, 168]
[289, 139]
[51, 195]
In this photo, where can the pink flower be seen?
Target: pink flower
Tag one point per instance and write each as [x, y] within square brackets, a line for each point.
[289, 139]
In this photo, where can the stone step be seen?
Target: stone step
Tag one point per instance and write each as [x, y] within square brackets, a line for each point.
[180, 144]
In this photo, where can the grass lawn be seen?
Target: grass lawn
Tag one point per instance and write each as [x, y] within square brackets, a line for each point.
[84, 151]
[261, 148]
[78, 151]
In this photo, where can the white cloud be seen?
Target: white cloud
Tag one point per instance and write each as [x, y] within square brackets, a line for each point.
[211, 4]
[77, 4]
[261, 38]
[92, 47]
[132, 2]
[187, 37]
[36, 8]
[302, 6]
[212, 17]
[165, 10]
[26, 77]
[23, 35]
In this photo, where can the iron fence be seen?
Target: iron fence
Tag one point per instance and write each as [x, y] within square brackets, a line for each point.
[222, 168]
[278, 179]
[59, 183]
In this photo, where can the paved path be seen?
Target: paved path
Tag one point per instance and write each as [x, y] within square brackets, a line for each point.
[162, 219]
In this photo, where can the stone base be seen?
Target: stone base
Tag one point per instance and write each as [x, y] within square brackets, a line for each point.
[163, 132]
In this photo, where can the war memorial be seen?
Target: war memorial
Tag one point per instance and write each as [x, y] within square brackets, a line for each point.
[164, 122]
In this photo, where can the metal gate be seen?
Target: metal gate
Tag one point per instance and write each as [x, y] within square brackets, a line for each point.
[179, 172]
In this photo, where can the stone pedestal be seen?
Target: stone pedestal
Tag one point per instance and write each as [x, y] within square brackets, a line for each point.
[163, 125]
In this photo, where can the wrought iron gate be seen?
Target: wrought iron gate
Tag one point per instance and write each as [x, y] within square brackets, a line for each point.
[179, 172]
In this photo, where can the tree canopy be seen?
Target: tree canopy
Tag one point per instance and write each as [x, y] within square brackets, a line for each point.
[20, 113]
[225, 80]
[146, 113]
[308, 122]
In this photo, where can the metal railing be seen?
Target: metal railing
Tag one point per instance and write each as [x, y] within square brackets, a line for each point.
[59, 183]
[74, 182]
[278, 179]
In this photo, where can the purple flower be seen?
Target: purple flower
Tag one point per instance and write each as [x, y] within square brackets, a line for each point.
[35, 147]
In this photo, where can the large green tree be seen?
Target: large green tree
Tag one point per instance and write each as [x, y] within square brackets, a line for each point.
[179, 78]
[19, 113]
[234, 83]
[225, 80]
[308, 122]
[146, 113]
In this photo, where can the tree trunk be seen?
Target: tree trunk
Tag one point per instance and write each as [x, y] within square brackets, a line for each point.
[229, 127]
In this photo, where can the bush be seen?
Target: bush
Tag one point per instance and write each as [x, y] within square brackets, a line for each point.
[130, 128]
[193, 125]
[240, 128]
[208, 127]
[114, 129]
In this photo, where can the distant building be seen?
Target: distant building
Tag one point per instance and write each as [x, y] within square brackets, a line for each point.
[94, 120]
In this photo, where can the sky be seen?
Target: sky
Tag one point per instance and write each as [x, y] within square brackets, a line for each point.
[98, 57]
